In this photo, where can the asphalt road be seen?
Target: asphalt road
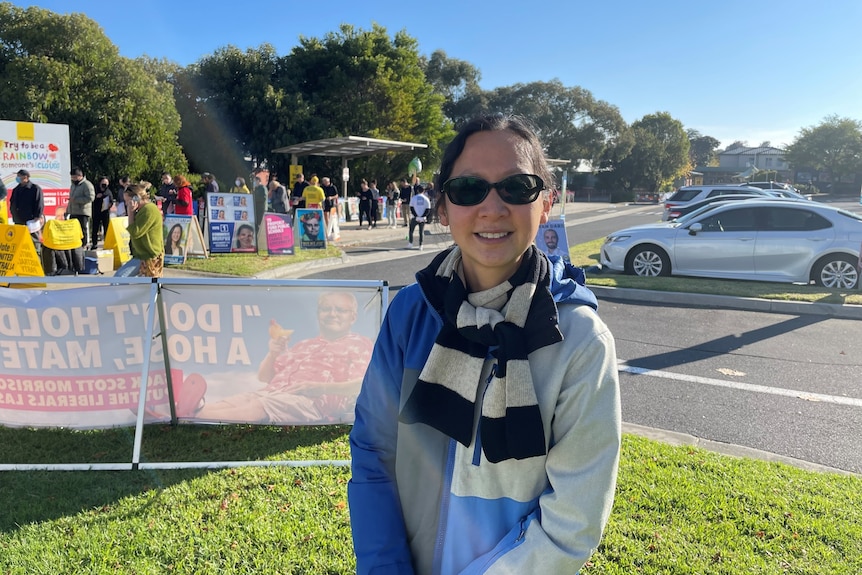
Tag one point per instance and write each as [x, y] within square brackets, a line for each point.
[784, 384]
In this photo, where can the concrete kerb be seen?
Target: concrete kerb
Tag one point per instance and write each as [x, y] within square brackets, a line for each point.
[676, 438]
[840, 311]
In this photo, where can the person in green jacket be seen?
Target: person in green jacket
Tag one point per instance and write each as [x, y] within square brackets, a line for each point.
[146, 236]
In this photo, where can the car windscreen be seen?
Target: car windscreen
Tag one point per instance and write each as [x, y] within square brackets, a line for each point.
[684, 195]
[697, 212]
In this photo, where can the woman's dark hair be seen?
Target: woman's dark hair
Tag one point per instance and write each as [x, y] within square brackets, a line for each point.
[519, 125]
[169, 239]
[239, 229]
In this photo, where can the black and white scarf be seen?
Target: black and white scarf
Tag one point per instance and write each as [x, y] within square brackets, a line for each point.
[511, 321]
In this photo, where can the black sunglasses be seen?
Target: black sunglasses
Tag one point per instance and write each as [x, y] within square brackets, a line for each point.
[470, 191]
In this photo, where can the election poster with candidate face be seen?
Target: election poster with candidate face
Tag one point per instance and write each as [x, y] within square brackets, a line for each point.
[231, 223]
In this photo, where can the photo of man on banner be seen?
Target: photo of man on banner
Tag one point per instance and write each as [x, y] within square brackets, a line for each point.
[315, 380]
[551, 239]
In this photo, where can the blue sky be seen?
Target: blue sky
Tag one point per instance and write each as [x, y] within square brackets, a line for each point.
[732, 69]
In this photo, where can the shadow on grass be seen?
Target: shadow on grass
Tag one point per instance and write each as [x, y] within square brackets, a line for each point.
[34, 496]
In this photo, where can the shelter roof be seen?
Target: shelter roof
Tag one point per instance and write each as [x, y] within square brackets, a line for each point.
[348, 147]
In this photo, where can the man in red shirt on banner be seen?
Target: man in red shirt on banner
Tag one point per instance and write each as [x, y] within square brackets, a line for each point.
[316, 380]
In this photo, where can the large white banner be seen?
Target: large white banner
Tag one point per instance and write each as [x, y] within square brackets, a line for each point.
[255, 352]
[74, 358]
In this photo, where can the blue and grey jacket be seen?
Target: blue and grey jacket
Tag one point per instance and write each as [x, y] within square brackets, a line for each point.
[422, 503]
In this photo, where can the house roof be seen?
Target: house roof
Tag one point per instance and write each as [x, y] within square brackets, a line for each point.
[760, 151]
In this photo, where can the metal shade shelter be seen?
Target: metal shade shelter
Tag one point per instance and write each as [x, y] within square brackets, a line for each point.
[346, 147]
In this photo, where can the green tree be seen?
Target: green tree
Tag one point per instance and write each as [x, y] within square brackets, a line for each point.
[833, 146]
[702, 149]
[457, 81]
[571, 122]
[362, 82]
[659, 154]
[63, 69]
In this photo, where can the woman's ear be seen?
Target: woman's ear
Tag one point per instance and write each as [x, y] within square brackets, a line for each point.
[444, 217]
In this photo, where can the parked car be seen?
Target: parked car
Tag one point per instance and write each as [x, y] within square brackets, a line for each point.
[682, 210]
[688, 194]
[767, 240]
[779, 189]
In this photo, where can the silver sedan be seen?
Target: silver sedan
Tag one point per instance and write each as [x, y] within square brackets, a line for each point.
[772, 240]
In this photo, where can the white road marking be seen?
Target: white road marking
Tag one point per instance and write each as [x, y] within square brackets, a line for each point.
[804, 395]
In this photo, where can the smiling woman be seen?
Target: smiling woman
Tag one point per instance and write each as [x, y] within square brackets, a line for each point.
[487, 429]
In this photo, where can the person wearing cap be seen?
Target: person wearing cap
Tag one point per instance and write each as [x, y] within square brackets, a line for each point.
[81, 196]
[313, 195]
[211, 185]
[27, 204]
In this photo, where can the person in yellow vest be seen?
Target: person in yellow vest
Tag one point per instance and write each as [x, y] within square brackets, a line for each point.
[239, 187]
[313, 194]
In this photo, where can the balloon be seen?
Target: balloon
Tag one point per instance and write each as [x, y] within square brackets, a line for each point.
[414, 167]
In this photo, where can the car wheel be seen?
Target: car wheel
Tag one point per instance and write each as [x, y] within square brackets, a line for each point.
[837, 272]
[648, 261]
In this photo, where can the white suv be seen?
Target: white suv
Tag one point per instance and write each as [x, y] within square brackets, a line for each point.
[688, 194]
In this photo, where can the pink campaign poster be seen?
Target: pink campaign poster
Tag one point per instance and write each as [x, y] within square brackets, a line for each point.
[279, 234]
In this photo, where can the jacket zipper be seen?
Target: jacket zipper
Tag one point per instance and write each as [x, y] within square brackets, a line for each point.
[477, 448]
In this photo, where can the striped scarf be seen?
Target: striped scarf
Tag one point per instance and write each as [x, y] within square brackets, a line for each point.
[510, 321]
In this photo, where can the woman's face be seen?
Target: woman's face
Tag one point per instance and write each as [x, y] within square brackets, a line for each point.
[493, 235]
[246, 238]
[176, 234]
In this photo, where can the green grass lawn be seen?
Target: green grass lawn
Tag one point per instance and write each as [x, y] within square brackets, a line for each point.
[248, 265]
[678, 509]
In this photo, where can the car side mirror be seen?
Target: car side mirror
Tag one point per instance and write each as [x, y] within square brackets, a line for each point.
[695, 228]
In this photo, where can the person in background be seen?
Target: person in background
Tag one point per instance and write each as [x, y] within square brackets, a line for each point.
[239, 187]
[404, 193]
[364, 203]
[259, 197]
[168, 193]
[27, 205]
[146, 234]
[210, 184]
[313, 195]
[296, 200]
[81, 196]
[279, 197]
[123, 184]
[487, 429]
[102, 210]
[391, 203]
[420, 209]
[330, 210]
[183, 200]
[375, 203]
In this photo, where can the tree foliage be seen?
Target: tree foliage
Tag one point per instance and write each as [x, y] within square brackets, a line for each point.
[833, 146]
[350, 82]
[702, 149]
[659, 154]
[63, 69]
